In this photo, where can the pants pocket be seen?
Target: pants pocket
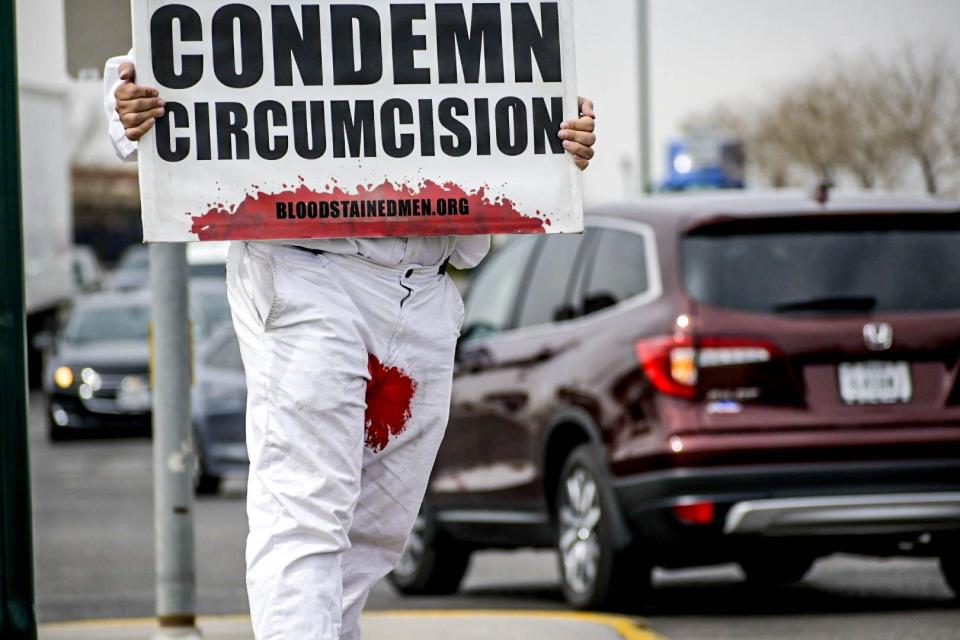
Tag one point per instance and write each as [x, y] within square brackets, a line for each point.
[257, 274]
[458, 299]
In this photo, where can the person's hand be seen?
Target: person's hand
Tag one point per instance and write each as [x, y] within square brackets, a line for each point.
[139, 107]
[578, 137]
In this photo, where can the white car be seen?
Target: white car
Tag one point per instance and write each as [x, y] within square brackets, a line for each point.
[205, 260]
[208, 259]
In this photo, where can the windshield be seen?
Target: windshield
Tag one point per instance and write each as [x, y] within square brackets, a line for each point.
[884, 266]
[128, 322]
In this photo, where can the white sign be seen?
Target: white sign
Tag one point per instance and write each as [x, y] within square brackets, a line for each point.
[307, 119]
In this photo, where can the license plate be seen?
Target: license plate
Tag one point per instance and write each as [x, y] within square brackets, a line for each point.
[875, 382]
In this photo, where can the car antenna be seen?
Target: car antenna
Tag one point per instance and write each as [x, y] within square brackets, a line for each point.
[821, 194]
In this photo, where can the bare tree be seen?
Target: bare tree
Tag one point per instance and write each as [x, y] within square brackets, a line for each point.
[915, 102]
[867, 146]
[750, 126]
[804, 120]
[865, 118]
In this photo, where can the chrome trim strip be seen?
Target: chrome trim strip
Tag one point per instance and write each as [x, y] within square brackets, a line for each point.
[491, 517]
[833, 514]
[654, 279]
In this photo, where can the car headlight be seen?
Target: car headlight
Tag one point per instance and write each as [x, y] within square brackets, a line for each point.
[63, 377]
[91, 378]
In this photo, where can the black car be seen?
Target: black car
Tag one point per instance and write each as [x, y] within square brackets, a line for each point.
[97, 373]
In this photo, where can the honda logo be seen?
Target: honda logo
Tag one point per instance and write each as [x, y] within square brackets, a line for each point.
[878, 336]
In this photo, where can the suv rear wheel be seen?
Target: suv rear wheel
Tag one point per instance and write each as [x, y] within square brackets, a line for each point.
[430, 564]
[594, 573]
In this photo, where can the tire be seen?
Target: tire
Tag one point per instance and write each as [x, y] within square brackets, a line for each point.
[594, 573]
[431, 563]
[950, 568]
[204, 483]
[770, 569]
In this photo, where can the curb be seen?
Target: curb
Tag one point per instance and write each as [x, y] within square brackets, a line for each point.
[628, 628]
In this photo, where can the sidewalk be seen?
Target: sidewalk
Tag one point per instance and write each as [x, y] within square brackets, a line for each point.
[398, 625]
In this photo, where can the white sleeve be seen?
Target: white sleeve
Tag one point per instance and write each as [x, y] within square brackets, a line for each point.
[126, 149]
[469, 251]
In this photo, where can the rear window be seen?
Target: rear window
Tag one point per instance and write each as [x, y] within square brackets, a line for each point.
[854, 264]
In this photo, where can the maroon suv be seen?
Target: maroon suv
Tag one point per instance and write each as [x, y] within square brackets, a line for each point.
[761, 379]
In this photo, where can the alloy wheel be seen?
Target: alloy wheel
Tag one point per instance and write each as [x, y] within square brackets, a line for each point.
[579, 514]
[412, 554]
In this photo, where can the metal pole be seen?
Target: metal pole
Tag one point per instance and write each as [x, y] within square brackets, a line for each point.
[643, 44]
[173, 454]
[17, 615]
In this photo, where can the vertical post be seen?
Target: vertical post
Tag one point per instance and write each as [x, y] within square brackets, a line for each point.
[17, 616]
[173, 455]
[643, 44]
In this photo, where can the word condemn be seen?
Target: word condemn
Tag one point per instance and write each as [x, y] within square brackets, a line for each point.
[467, 49]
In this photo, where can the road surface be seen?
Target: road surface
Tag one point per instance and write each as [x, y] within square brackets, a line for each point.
[94, 542]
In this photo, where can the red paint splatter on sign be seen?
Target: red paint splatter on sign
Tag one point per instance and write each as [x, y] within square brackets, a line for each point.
[389, 399]
[256, 216]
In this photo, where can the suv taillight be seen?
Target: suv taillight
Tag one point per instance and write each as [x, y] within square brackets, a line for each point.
[673, 363]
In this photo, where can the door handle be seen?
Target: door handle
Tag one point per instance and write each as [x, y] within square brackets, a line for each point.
[508, 402]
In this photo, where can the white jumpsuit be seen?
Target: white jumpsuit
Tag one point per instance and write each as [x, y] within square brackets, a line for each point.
[348, 348]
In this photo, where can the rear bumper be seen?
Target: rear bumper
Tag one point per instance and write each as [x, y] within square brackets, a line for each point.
[872, 498]
[845, 515]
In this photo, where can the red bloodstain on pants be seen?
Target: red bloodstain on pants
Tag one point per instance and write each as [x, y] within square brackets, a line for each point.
[389, 396]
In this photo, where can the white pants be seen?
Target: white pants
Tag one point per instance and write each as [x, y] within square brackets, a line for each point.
[335, 486]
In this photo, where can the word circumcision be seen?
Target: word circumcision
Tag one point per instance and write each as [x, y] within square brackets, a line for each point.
[378, 98]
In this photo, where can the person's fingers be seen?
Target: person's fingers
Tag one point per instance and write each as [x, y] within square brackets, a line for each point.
[583, 137]
[139, 105]
[128, 72]
[138, 132]
[578, 136]
[136, 118]
[130, 91]
[586, 107]
[578, 149]
[580, 124]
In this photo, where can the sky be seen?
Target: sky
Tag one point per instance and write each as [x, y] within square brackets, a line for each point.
[703, 52]
[706, 52]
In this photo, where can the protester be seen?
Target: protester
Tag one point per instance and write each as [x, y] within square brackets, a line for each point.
[348, 346]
